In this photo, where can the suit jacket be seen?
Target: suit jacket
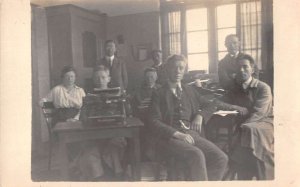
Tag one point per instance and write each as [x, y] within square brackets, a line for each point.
[162, 110]
[228, 66]
[257, 98]
[161, 74]
[118, 72]
[257, 128]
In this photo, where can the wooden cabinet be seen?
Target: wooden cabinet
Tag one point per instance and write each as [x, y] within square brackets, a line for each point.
[76, 36]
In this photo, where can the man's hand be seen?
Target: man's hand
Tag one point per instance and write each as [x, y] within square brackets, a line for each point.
[242, 110]
[197, 123]
[184, 137]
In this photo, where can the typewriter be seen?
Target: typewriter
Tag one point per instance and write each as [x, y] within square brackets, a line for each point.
[104, 107]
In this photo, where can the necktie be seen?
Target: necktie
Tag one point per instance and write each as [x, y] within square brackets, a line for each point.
[178, 92]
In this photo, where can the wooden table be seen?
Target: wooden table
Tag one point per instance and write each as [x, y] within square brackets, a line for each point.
[76, 131]
[216, 123]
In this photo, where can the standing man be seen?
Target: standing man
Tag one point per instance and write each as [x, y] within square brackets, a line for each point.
[228, 66]
[116, 66]
[253, 145]
[158, 65]
[176, 117]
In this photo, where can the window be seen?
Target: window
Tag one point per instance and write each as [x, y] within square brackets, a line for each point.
[226, 24]
[199, 32]
[251, 30]
[173, 34]
[197, 39]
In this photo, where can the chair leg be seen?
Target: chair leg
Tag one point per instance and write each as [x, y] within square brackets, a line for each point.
[157, 171]
[50, 153]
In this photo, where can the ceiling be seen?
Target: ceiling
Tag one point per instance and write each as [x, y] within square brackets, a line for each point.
[110, 7]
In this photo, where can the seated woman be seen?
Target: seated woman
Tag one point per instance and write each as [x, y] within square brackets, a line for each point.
[108, 153]
[66, 97]
[67, 100]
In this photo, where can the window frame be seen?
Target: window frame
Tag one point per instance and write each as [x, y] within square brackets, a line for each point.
[212, 29]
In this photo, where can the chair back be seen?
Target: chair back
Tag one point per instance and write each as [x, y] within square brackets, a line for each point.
[48, 111]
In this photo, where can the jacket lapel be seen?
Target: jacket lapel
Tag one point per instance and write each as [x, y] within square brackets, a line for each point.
[115, 63]
[169, 104]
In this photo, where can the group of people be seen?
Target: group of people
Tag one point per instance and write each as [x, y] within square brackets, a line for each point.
[175, 114]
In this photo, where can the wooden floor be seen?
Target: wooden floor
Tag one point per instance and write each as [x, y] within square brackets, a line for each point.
[40, 171]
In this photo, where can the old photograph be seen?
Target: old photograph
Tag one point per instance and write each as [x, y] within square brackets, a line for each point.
[152, 90]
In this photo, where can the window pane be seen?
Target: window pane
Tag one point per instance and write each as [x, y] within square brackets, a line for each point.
[251, 13]
[174, 42]
[226, 16]
[251, 37]
[222, 33]
[221, 55]
[197, 42]
[198, 62]
[174, 22]
[196, 19]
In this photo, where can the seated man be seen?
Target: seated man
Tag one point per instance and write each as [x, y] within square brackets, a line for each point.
[142, 97]
[228, 66]
[253, 152]
[108, 152]
[175, 123]
[141, 103]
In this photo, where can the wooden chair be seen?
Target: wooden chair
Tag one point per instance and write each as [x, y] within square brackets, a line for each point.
[48, 111]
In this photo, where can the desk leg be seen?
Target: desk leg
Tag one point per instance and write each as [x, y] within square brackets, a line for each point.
[63, 159]
[135, 159]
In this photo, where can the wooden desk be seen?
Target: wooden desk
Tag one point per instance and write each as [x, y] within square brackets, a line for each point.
[76, 131]
[216, 123]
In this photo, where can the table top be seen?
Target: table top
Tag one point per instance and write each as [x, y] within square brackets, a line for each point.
[79, 126]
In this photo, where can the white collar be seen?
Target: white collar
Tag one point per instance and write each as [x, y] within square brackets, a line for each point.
[173, 86]
[111, 58]
[157, 65]
[234, 55]
[247, 83]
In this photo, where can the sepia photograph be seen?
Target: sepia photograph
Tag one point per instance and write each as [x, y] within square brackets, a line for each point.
[152, 90]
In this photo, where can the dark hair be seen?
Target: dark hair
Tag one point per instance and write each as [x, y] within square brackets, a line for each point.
[173, 58]
[109, 41]
[67, 69]
[230, 36]
[149, 70]
[247, 57]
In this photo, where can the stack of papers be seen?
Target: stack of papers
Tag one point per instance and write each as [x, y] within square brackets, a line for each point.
[225, 113]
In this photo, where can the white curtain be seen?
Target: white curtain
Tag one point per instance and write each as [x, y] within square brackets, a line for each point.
[251, 29]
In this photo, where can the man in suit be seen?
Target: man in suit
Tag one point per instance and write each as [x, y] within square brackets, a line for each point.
[158, 65]
[253, 145]
[176, 117]
[228, 66]
[116, 66]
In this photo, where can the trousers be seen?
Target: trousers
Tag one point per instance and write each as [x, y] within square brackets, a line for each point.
[204, 160]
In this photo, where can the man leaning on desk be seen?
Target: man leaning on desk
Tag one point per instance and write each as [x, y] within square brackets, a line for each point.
[175, 124]
[253, 151]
